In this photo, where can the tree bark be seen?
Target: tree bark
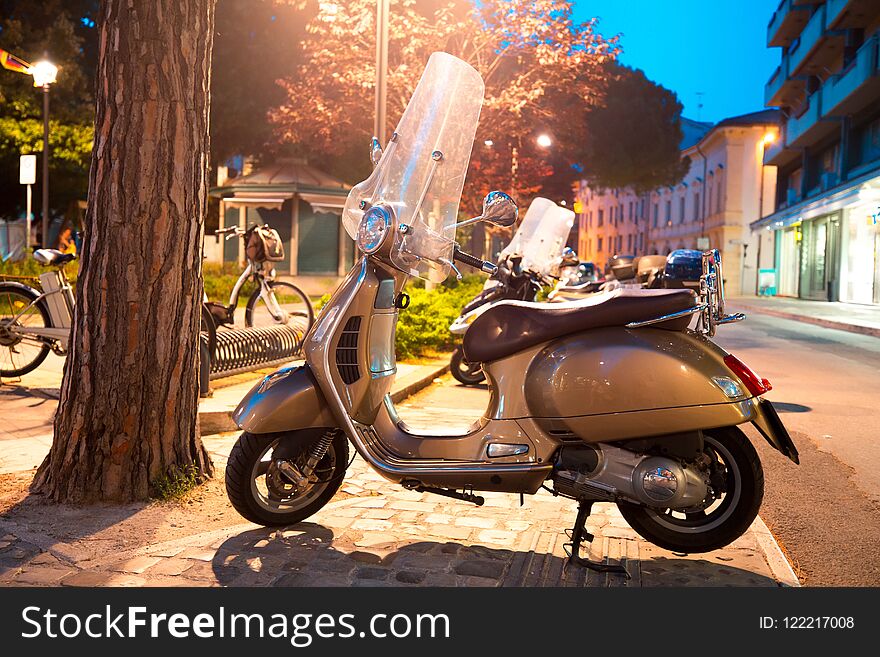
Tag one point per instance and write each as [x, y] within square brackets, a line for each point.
[129, 400]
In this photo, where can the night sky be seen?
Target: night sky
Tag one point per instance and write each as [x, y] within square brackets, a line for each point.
[718, 47]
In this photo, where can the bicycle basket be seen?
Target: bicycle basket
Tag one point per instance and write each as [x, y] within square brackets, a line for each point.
[264, 244]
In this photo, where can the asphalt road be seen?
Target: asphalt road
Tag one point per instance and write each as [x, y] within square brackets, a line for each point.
[826, 386]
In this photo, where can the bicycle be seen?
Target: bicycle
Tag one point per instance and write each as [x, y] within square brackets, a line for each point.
[272, 302]
[35, 321]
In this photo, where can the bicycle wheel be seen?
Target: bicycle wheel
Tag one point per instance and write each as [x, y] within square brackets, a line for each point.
[20, 354]
[286, 304]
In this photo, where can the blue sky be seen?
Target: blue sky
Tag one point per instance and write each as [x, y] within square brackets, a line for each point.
[718, 47]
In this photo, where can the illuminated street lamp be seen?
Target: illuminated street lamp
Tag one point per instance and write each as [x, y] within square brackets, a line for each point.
[544, 141]
[45, 74]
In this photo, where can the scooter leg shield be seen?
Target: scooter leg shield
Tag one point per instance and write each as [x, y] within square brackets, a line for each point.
[286, 400]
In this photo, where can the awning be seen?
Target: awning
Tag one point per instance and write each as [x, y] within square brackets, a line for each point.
[854, 192]
[262, 200]
[325, 202]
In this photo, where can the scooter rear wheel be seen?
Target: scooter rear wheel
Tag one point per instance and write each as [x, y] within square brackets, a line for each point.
[465, 373]
[738, 471]
[260, 493]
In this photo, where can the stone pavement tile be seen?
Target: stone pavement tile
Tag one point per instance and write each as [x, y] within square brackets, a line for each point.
[439, 519]
[42, 576]
[364, 524]
[475, 521]
[336, 522]
[496, 536]
[378, 514]
[172, 566]
[126, 580]
[405, 505]
[89, 578]
[7, 573]
[372, 572]
[371, 503]
[137, 565]
[200, 554]
[410, 576]
[375, 539]
[203, 571]
[483, 569]
[444, 531]
[46, 559]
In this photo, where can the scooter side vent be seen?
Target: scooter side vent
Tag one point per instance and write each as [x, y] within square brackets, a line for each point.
[347, 351]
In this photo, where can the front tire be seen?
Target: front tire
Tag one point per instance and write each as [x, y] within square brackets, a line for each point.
[293, 302]
[738, 471]
[465, 373]
[21, 354]
[260, 494]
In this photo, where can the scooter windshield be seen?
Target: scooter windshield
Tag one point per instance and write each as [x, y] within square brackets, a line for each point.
[422, 171]
[541, 236]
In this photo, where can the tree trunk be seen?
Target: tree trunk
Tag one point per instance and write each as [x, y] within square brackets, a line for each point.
[129, 401]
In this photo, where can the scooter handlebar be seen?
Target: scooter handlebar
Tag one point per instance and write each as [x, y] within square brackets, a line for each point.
[473, 261]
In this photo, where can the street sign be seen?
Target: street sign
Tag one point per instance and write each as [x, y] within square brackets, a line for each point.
[27, 174]
[703, 243]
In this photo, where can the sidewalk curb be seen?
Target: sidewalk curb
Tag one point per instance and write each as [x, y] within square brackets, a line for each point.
[411, 389]
[779, 565]
[806, 319]
[211, 422]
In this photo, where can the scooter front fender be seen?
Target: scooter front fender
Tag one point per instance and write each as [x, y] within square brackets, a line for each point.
[286, 400]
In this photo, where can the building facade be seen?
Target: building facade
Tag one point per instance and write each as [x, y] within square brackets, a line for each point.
[711, 207]
[823, 232]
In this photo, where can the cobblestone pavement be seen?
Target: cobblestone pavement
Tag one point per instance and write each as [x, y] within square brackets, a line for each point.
[375, 533]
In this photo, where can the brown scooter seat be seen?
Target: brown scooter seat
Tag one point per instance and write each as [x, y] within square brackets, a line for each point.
[511, 326]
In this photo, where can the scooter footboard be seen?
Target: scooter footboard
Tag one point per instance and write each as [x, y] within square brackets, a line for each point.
[286, 400]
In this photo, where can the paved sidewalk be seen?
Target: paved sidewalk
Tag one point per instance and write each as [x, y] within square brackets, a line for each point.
[850, 317]
[373, 533]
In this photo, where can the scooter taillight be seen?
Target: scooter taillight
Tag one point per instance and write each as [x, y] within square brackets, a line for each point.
[755, 384]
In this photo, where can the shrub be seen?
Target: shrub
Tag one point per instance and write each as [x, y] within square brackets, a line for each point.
[176, 483]
[424, 326]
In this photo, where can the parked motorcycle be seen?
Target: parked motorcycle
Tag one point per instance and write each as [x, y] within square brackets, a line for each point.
[535, 253]
[606, 399]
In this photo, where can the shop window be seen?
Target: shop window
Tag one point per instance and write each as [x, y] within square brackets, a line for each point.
[696, 206]
[318, 249]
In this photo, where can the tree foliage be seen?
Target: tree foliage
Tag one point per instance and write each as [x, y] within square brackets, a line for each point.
[528, 52]
[62, 31]
[633, 140]
[256, 42]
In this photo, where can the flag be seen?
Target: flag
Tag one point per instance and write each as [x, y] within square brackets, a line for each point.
[13, 63]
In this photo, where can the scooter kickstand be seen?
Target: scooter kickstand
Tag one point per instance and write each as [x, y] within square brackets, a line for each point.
[578, 534]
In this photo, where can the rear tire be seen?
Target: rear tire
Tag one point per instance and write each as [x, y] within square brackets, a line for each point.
[465, 373]
[713, 528]
[256, 496]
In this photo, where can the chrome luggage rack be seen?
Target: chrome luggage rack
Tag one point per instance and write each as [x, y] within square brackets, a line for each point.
[711, 304]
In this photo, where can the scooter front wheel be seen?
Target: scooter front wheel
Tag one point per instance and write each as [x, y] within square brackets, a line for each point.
[468, 374]
[738, 481]
[261, 493]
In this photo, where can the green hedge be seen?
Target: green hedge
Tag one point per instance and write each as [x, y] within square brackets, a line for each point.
[423, 327]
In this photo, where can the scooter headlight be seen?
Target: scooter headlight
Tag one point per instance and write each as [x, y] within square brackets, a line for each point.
[374, 229]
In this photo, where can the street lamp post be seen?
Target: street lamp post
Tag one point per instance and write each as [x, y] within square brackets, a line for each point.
[382, 13]
[44, 74]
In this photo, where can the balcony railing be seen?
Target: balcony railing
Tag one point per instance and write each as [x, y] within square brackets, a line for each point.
[774, 84]
[839, 90]
[786, 22]
[835, 9]
[810, 36]
[797, 127]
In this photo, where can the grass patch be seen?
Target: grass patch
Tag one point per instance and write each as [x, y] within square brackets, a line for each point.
[176, 483]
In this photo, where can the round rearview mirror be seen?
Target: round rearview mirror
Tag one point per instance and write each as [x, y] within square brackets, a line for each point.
[500, 209]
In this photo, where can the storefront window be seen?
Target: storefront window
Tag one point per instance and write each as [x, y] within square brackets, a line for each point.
[861, 257]
[789, 260]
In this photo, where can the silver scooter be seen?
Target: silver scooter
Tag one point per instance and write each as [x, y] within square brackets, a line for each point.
[610, 399]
